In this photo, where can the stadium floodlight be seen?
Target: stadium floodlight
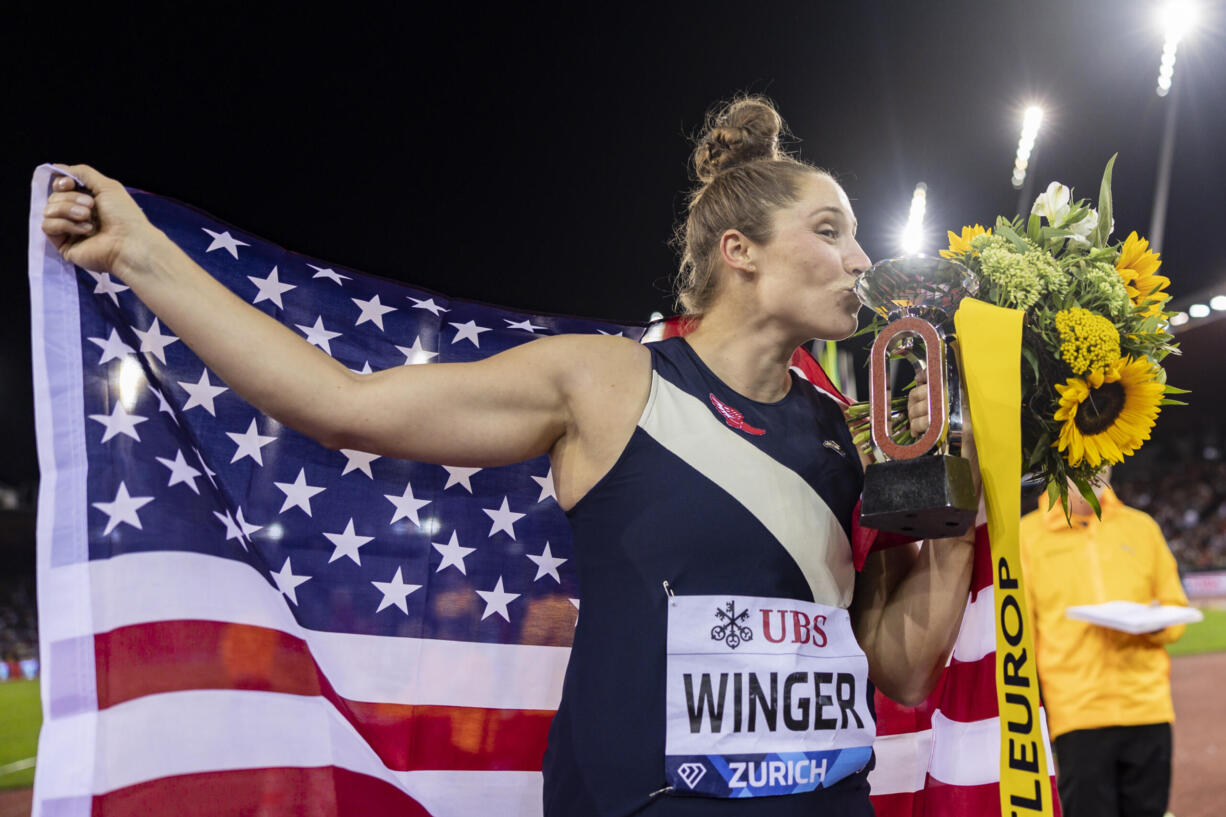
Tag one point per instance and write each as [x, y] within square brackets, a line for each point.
[1218, 302]
[1031, 121]
[913, 233]
[1177, 19]
[1198, 311]
[1179, 319]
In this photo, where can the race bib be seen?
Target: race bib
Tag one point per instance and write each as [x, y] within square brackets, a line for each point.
[765, 696]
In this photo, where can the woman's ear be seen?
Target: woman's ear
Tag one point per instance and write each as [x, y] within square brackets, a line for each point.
[736, 250]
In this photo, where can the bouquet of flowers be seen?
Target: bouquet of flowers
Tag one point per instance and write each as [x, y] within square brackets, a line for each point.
[1094, 333]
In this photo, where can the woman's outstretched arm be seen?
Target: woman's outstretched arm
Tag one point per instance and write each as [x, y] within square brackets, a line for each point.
[507, 408]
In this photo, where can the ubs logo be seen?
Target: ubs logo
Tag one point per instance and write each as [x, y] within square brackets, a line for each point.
[732, 631]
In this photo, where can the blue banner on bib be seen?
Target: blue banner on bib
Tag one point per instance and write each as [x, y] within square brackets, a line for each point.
[762, 775]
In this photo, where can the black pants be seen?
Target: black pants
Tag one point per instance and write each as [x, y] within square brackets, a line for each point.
[1115, 771]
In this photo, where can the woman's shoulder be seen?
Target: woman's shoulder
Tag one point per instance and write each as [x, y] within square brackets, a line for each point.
[594, 352]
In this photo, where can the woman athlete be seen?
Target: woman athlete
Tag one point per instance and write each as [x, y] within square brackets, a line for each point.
[726, 654]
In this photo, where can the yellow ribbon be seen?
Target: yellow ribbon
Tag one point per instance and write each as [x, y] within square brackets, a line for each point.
[990, 346]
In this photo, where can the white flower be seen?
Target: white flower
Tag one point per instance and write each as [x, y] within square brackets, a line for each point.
[1083, 227]
[1053, 203]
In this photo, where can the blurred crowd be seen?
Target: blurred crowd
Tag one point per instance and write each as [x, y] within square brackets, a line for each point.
[1182, 485]
[18, 628]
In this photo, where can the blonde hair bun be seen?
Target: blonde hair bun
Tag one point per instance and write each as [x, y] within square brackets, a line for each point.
[745, 130]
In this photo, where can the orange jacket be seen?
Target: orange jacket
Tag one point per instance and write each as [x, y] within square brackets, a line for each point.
[1093, 676]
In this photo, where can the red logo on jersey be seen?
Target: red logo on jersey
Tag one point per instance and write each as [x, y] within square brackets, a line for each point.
[734, 418]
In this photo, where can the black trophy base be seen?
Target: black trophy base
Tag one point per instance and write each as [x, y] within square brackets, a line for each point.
[926, 497]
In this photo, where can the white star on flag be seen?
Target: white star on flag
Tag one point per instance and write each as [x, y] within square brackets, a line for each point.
[468, 331]
[112, 348]
[372, 311]
[122, 510]
[319, 335]
[612, 334]
[233, 531]
[329, 273]
[407, 505]
[546, 483]
[246, 527]
[347, 543]
[119, 422]
[298, 493]
[249, 443]
[395, 593]
[525, 325]
[152, 341]
[496, 601]
[504, 518]
[287, 581]
[546, 564]
[429, 305]
[201, 393]
[224, 241]
[270, 288]
[180, 471]
[208, 473]
[453, 554]
[415, 353]
[107, 285]
[364, 370]
[459, 475]
[163, 403]
[358, 461]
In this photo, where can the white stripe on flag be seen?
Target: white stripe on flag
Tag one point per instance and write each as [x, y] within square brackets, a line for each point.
[977, 637]
[777, 496]
[142, 740]
[902, 762]
[968, 754]
[168, 586]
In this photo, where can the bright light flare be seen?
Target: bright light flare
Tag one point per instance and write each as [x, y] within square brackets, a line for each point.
[130, 379]
[1198, 311]
[1031, 121]
[913, 233]
[1218, 303]
[1177, 18]
[1179, 319]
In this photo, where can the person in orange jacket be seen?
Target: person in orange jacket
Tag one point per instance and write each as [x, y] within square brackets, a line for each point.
[1107, 693]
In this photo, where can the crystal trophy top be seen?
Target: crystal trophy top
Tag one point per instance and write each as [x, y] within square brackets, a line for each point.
[916, 285]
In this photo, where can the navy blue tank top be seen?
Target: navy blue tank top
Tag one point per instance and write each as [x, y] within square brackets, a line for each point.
[714, 495]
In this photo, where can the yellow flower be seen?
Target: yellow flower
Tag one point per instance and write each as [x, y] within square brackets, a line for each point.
[1138, 267]
[1088, 342]
[1109, 414]
[961, 244]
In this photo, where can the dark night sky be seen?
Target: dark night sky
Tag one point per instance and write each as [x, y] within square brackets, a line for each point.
[537, 158]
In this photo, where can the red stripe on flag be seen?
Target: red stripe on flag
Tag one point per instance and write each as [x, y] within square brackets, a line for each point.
[325, 791]
[965, 692]
[173, 656]
[942, 798]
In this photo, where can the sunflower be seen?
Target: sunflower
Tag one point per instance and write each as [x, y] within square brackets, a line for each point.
[961, 244]
[1109, 414]
[1138, 267]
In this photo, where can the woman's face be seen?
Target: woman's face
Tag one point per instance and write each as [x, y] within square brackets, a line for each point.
[807, 269]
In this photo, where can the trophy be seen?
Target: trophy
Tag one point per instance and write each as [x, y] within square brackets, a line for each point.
[922, 489]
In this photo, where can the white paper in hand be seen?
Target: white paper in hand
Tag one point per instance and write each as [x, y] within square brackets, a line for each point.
[1133, 617]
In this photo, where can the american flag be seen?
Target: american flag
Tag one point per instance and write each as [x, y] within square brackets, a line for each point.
[236, 620]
